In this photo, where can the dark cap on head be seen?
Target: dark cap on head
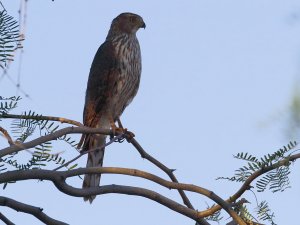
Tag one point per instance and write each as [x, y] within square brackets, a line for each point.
[128, 23]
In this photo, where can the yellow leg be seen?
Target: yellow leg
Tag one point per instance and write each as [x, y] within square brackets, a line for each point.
[129, 135]
[119, 123]
[114, 128]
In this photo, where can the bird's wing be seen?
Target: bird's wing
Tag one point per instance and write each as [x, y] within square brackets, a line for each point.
[102, 73]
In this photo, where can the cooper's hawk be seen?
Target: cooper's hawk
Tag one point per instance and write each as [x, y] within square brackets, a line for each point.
[113, 82]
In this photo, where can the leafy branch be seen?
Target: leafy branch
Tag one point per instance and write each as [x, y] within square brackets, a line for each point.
[10, 39]
[264, 212]
[277, 179]
[8, 104]
[269, 163]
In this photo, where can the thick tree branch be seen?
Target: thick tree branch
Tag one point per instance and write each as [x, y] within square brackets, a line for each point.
[35, 211]
[91, 150]
[59, 133]
[128, 190]
[59, 178]
[82, 129]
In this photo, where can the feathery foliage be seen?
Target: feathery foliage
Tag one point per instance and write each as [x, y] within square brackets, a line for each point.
[244, 213]
[8, 104]
[264, 213]
[276, 180]
[22, 129]
[10, 39]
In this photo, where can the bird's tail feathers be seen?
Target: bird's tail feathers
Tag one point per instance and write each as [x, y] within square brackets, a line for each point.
[95, 159]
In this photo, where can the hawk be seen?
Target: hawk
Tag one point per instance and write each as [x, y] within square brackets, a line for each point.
[113, 82]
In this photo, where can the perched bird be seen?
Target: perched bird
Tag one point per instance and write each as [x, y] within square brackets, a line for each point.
[113, 82]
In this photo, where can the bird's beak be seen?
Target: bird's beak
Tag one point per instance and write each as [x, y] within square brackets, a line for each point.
[143, 25]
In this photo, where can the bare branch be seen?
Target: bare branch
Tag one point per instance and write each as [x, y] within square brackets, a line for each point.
[53, 118]
[129, 190]
[35, 211]
[5, 220]
[168, 171]
[59, 179]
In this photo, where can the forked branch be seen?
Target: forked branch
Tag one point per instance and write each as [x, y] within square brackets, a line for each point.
[247, 184]
[136, 191]
[59, 179]
[5, 220]
[35, 211]
[64, 131]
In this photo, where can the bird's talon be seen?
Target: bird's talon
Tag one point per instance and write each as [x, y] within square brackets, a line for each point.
[126, 134]
[129, 135]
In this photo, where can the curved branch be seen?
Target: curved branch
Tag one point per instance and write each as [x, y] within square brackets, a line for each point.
[168, 171]
[22, 146]
[59, 178]
[143, 153]
[246, 185]
[128, 190]
[35, 211]
[53, 136]
[53, 118]
[7, 136]
[91, 150]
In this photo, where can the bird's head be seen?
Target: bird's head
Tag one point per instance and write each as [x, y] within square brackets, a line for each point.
[127, 23]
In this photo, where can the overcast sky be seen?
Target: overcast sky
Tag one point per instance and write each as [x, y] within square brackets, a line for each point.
[216, 77]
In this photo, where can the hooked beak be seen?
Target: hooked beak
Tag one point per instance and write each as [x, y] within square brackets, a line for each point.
[143, 25]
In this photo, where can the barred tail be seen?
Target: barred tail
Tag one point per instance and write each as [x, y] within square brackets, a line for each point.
[95, 159]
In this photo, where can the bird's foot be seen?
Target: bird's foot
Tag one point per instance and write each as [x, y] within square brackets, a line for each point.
[120, 130]
[129, 135]
[117, 131]
[126, 134]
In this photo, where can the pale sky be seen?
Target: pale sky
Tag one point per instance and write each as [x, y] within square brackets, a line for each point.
[213, 73]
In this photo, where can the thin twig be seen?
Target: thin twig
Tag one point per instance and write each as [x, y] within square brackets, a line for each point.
[3, 6]
[53, 136]
[246, 185]
[22, 31]
[5, 73]
[35, 211]
[52, 118]
[91, 150]
[5, 220]
[168, 171]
